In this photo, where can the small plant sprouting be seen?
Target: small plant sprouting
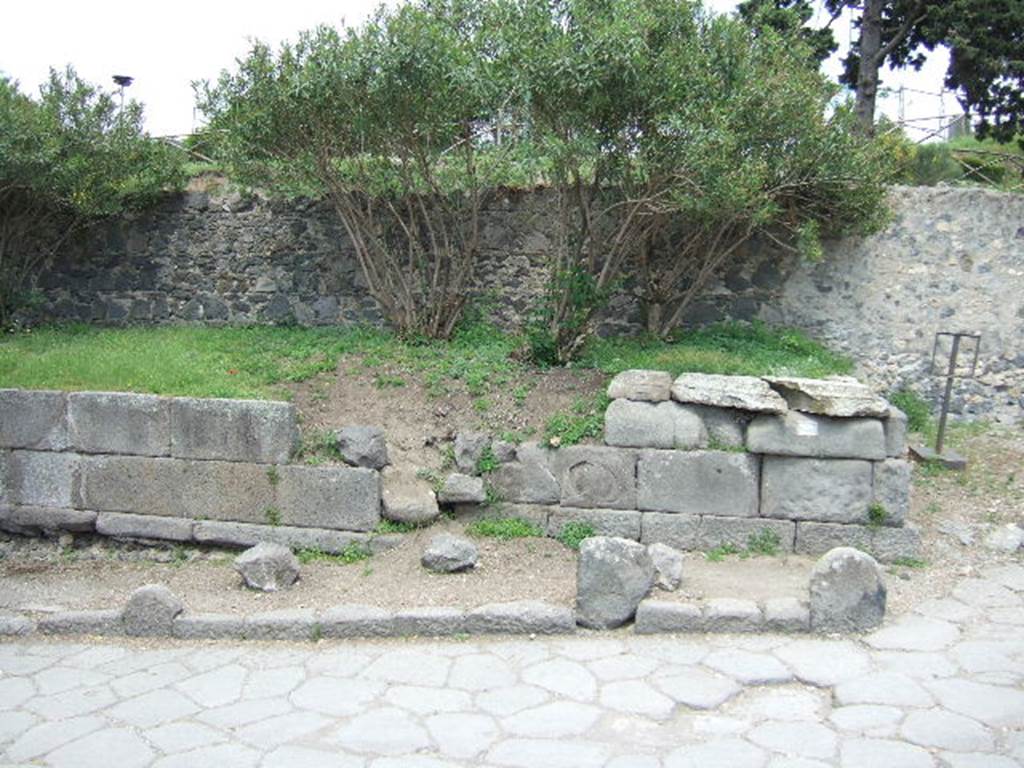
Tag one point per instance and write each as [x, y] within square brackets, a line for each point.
[448, 456]
[765, 542]
[719, 553]
[877, 515]
[573, 534]
[179, 556]
[504, 528]
[720, 445]
[272, 515]
[317, 634]
[492, 496]
[391, 526]
[910, 562]
[273, 476]
[487, 462]
[352, 553]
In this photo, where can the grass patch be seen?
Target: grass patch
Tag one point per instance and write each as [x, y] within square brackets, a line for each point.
[487, 462]
[504, 528]
[391, 526]
[573, 534]
[584, 419]
[877, 515]
[765, 542]
[272, 515]
[353, 553]
[722, 551]
[919, 412]
[910, 562]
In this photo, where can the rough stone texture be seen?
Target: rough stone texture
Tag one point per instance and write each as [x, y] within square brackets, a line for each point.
[16, 626]
[612, 577]
[449, 554]
[818, 538]
[42, 479]
[407, 499]
[122, 525]
[727, 614]
[362, 446]
[668, 566]
[101, 622]
[605, 522]
[356, 621]
[119, 422]
[344, 498]
[823, 490]
[591, 476]
[676, 530]
[260, 431]
[245, 535]
[698, 482]
[33, 519]
[895, 426]
[842, 397]
[531, 513]
[630, 424]
[428, 621]
[786, 614]
[524, 617]
[801, 434]
[645, 386]
[528, 479]
[469, 447]
[462, 489]
[738, 532]
[726, 427]
[268, 567]
[33, 419]
[892, 489]
[285, 624]
[150, 611]
[218, 490]
[847, 592]
[503, 451]
[1005, 538]
[658, 616]
[746, 393]
[208, 626]
[889, 544]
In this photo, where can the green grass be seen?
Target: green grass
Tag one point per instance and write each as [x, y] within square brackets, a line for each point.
[391, 526]
[765, 542]
[353, 553]
[917, 409]
[504, 528]
[910, 562]
[719, 553]
[584, 419]
[573, 534]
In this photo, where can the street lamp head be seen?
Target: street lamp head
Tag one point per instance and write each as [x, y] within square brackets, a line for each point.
[123, 80]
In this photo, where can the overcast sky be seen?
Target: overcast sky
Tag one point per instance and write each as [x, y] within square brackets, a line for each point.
[165, 46]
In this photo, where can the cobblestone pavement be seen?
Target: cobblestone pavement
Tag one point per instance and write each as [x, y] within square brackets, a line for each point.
[939, 687]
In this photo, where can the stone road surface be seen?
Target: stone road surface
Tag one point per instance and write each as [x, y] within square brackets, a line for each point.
[940, 687]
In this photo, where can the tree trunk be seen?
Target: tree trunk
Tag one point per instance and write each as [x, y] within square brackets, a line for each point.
[869, 64]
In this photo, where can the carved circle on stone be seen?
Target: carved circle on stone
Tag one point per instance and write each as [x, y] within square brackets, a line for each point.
[585, 478]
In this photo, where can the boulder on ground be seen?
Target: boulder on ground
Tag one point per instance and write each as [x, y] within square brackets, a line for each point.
[613, 575]
[668, 566]
[462, 489]
[362, 446]
[407, 499]
[449, 554]
[268, 567]
[469, 447]
[150, 611]
[847, 592]
[1005, 538]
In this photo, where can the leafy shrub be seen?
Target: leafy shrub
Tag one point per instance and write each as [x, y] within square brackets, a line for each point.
[573, 534]
[764, 542]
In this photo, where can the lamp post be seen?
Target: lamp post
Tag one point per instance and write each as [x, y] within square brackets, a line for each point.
[122, 82]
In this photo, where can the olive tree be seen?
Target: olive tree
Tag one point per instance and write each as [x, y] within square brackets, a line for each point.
[68, 159]
[392, 122]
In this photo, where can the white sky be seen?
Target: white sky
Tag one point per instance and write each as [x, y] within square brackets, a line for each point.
[165, 46]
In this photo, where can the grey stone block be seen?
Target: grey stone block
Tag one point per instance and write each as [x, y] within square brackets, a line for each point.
[209, 626]
[462, 489]
[677, 530]
[362, 446]
[346, 621]
[629, 424]
[469, 447]
[33, 419]
[144, 526]
[842, 397]
[245, 535]
[668, 566]
[646, 386]
[429, 621]
[801, 434]
[5, 477]
[605, 522]
[150, 611]
[217, 490]
[747, 393]
[104, 622]
[657, 616]
[738, 531]
[892, 489]
[119, 422]
[12, 625]
[43, 479]
[268, 567]
[524, 617]
[727, 614]
[286, 624]
[612, 577]
[895, 426]
[847, 592]
[786, 614]
[503, 451]
[822, 490]
[888, 544]
[407, 499]
[31, 519]
[233, 430]
[449, 554]
[337, 497]
[818, 538]
[726, 427]
[699, 482]
[528, 479]
[591, 476]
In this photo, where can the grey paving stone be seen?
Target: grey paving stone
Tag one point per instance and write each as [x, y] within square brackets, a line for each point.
[723, 752]
[867, 718]
[870, 753]
[153, 708]
[233, 430]
[824, 662]
[782, 704]
[786, 614]
[658, 616]
[979, 761]
[914, 633]
[283, 624]
[801, 434]
[409, 667]
[51, 734]
[119, 422]
[464, 735]
[624, 524]
[183, 736]
[937, 729]
[698, 689]
[728, 614]
[122, 525]
[33, 419]
[208, 626]
[429, 621]
[994, 705]
[563, 677]
[305, 757]
[507, 701]
[561, 753]
[623, 666]
[216, 688]
[699, 482]
[320, 694]
[636, 697]
[101, 622]
[557, 720]
[385, 731]
[883, 688]
[271, 733]
[981, 593]
[802, 739]
[523, 617]
[747, 667]
[110, 746]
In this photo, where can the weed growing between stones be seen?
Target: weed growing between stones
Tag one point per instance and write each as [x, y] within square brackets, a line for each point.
[391, 526]
[272, 516]
[273, 476]
[504, 528]
[487, 462]
[917, 409]
[585, 419]
[719, 553]
[877, 515]
[765, 542]
[353, 553]
[492, 496]
[573, 534]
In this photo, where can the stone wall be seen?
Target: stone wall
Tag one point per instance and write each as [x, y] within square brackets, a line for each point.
[179, 469]
[952, 259]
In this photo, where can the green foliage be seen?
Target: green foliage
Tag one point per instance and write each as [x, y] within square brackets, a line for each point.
[877, 515]
[965, 161]
[573, 534]
[273, 476]
[584, 419]
[504, 528]
[353, 553]
[765, 542]
[910, 562]
[272, 515]
[391, 526]
[487, 463]
[719, 553]
[68, 159]
[919, 413]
